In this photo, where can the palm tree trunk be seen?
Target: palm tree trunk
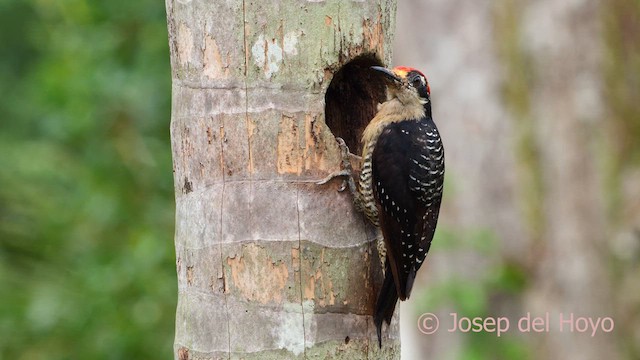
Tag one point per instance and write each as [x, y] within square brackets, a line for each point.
[269, 264]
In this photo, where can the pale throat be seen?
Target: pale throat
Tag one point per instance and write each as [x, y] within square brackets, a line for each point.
[402, 105]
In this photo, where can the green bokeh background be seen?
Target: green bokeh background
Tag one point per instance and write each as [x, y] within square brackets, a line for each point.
[87, 263]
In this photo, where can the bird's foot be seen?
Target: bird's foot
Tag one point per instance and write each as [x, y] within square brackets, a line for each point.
[346, 171]
[335, 175]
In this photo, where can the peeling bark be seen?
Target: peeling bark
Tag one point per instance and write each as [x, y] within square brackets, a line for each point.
[269, 264]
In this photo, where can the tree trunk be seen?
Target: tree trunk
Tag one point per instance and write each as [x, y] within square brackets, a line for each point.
[573, 279]
[269, 264]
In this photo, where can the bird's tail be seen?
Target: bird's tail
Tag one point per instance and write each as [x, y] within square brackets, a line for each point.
[386, 304]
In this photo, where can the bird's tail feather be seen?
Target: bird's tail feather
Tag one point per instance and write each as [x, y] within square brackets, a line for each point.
[386, 304]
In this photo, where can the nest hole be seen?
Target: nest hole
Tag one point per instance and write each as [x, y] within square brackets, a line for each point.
[352, 98]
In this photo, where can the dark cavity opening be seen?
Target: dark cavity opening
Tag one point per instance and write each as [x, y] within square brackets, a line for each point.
[352, 98]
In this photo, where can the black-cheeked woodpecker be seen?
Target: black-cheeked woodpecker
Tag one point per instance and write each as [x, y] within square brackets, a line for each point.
[401, 181]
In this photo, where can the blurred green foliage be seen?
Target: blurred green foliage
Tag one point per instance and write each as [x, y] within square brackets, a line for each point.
[621, 67]
[520, 70]
[86, 189]
[480, 295]
[621, 19]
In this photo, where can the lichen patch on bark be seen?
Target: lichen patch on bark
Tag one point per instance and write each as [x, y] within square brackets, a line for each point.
[268, 54]
[189, 275]
[374, 34]
[299, 150]
[315, 146]
[324, 295]
[185, 44]
[251, 128]
[214, 66]
[289, 157]
[256, 276]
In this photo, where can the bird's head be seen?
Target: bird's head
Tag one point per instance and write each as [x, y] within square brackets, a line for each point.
[406, 84]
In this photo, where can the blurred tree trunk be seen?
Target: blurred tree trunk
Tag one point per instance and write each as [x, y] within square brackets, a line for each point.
[523, 80]
[564, 46]
[268, 263]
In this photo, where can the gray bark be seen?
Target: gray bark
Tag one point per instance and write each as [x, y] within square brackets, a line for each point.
[269, 264]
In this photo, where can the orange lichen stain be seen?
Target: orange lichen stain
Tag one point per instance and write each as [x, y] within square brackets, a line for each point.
[289, 157]
[214, 67]
[256, 276]
[328, 20]
[185, 44]
[186, 146]
[183, 353]
[251, 128]
[222, 166]
[315, 148]
[295, 259]
[318, 288]
[189, 275]
[374, 34]
[310, 288]
[330, 293]
[210, 136]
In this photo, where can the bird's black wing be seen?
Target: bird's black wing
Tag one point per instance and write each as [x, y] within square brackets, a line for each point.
[426, 181]
[408, 171]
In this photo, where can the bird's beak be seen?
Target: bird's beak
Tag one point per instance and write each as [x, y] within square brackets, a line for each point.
[388, 74]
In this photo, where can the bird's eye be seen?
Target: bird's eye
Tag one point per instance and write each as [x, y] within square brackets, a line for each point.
[417, 82]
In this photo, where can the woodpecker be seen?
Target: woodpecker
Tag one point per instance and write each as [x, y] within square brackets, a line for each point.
[401, 182]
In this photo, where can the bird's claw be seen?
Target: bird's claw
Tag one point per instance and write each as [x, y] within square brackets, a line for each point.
[344, 151]
[343, 186]
[336, 174]
[346, 169]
